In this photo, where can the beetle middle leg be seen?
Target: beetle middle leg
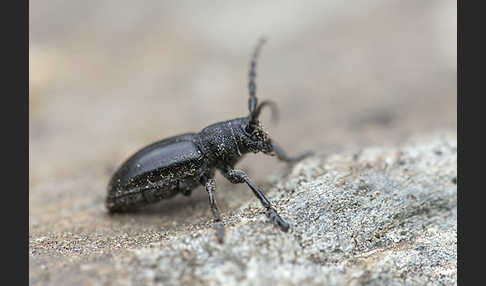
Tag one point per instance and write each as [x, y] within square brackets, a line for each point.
[237, 177]
[210, 185]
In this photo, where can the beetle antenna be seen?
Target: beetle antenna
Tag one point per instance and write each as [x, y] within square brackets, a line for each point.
[256, 113]
[252, 102]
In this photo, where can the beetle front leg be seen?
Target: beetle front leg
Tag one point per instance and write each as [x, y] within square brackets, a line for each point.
[210, 186]
[282, 156]
[238, 176]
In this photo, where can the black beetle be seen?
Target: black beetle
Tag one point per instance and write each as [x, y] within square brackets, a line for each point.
[181, 163]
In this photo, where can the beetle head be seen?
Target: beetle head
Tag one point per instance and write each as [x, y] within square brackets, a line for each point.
[255, 139]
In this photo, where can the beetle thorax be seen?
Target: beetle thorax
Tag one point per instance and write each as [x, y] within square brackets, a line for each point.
[220, 141]
[229, 140]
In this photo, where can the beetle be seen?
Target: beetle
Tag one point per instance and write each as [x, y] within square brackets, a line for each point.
[179, 164]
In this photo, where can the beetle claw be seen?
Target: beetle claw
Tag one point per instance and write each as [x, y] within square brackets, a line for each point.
[277, 220]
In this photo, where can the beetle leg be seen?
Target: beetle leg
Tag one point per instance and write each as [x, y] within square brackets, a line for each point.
[238, 176]
[282, 156]
[210, 188]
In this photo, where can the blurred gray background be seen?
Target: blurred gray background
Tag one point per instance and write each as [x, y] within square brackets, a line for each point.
[109, 77]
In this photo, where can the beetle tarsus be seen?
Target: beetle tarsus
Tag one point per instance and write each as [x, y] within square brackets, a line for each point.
[277, 220]
[220, 232]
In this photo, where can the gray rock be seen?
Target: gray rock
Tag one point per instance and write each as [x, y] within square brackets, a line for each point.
[379, 216]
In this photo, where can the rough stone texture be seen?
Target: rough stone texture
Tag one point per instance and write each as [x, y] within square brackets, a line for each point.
[384, 216]
[378, 215]
[107, 78]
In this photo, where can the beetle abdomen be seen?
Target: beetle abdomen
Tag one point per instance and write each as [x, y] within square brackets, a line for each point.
[156, 172]
[132, 199]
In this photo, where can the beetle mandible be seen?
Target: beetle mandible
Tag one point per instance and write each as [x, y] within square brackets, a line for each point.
[181, 163]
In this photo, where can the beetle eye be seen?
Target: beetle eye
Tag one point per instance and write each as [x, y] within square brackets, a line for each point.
[249, 129]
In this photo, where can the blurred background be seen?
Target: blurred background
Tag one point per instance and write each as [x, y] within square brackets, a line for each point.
[109, 77]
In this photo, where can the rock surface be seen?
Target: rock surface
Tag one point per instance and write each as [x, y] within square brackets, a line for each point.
[378, 215]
